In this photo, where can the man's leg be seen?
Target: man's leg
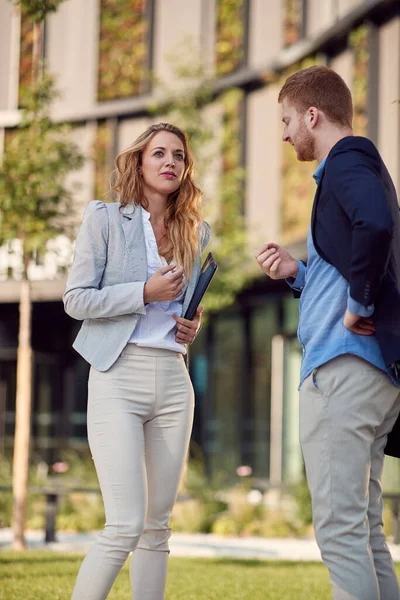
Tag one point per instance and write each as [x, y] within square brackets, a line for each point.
[342, 405]
[384, 567]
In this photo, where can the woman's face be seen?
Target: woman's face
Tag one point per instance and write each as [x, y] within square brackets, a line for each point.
[163, 164]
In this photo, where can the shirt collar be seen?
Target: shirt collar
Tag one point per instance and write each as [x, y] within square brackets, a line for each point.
[145, 215]
[319, 171]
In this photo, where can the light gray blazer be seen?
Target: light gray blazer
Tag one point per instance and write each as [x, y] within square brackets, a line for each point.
[106, 280]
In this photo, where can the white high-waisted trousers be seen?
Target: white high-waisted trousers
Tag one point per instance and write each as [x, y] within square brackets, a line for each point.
[140, 415]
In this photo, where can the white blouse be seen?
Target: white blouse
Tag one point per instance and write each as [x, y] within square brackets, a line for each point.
[157, 328]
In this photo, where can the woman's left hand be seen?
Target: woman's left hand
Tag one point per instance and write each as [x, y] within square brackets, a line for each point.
[187, 330]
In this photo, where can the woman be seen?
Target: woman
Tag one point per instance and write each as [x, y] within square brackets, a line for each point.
[135, 268]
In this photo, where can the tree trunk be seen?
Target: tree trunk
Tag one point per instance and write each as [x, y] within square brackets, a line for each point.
[24, 366]
[22, 417]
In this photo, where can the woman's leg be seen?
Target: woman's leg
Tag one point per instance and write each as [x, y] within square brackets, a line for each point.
[119, 402]
[167, 438]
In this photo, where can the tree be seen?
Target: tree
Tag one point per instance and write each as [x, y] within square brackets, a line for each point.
[213, 128]
[36, 11]
[33, 208]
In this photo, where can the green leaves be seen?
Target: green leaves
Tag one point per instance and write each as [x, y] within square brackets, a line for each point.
[292, 21]
[37, 10]
[230, 35]
[34, 197]
[123, 48]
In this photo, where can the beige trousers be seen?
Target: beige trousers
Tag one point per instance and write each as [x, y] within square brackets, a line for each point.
[347, 409]
[140, 415]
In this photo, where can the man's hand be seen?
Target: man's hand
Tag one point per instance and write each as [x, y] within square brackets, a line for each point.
[357, 324]
[187, 330]
[276, 262]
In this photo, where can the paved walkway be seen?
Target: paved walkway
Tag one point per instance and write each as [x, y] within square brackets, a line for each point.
[196, 545]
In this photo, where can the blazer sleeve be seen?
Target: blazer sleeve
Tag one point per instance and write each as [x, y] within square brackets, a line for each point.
[361, 194]
[83, 298]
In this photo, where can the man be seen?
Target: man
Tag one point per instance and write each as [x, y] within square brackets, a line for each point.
[349, 330]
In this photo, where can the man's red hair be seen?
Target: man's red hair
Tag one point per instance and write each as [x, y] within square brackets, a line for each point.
[323, 88]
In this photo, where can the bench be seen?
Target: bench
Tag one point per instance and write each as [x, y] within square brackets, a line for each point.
[52, 496]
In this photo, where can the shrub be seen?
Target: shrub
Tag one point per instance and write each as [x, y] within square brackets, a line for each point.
[81, 512]
[189, 516]
[206, 493]
[302, 498]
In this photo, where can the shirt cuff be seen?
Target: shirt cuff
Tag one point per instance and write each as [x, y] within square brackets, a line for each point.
[299, 282]
[141, 309]
[358, 309]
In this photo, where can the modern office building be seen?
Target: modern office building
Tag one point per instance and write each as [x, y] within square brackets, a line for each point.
[246, 360]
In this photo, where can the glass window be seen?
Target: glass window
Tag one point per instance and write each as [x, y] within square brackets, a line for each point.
[124, 48]
[226, 371]
[45, 411]
[78, 416]
[199, 373]
[294, 21]
[263, 325]
[232, 184]
[291, 308]
[233, 105]
[8, 370]
[27, 41]
[230, 366]
[231, 35]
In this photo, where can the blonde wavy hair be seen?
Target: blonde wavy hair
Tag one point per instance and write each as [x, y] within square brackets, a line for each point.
[183, 214]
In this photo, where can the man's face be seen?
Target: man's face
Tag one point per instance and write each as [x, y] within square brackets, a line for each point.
[296, 132]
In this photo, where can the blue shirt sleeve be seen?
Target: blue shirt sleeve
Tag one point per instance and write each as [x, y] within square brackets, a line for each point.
[299, 282]
[358, 309]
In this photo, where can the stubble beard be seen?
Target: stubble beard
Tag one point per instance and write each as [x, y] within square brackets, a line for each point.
[304, 144]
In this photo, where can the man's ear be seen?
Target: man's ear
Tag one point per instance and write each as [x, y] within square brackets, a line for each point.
[312, 117]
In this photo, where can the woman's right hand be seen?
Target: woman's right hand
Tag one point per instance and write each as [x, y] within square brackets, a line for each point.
[163, 286]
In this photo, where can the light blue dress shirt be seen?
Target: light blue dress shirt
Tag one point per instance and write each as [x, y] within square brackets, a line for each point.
[323, 303]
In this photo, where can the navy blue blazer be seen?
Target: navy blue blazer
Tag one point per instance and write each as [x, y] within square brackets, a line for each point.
[355, 226]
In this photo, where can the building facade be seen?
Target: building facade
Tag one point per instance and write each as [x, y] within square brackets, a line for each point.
[107, 56]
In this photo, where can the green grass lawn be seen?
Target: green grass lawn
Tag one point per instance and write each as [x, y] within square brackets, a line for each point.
[48, 576]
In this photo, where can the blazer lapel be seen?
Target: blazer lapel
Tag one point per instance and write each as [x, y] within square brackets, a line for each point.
[315, 206]
[135, 243]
